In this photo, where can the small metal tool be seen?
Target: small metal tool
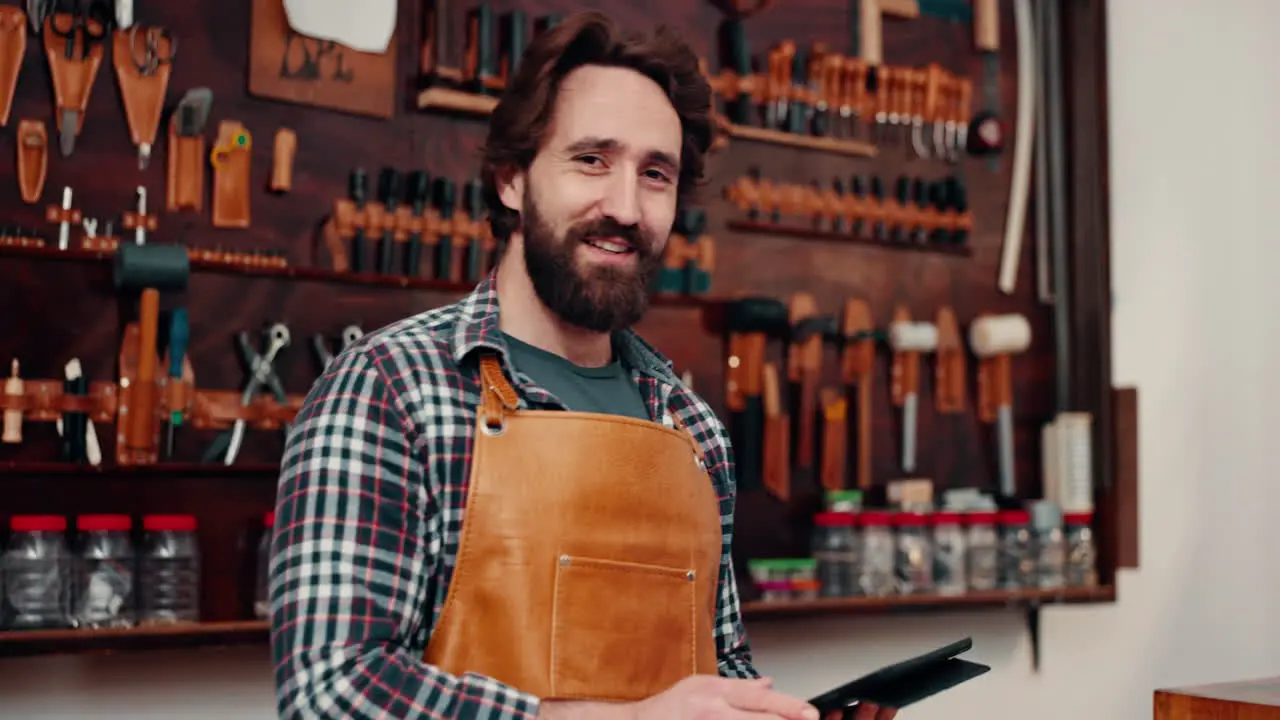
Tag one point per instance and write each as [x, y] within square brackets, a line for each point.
[64, 227]
[262, 375]
[140, 231]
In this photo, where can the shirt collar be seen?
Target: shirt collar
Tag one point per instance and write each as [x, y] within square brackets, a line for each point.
[477, 327]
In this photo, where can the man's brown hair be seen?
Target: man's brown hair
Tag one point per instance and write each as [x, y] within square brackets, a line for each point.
[519, 122]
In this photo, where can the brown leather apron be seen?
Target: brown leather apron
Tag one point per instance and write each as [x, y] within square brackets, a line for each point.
[589, 558]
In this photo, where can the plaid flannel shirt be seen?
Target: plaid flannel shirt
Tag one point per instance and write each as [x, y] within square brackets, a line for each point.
[370, 508]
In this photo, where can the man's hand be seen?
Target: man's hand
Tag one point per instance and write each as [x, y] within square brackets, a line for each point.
[710, 697]
[704, 697]
[865, 712]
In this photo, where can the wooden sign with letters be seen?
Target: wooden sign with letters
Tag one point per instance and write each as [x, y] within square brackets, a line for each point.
[285, 65]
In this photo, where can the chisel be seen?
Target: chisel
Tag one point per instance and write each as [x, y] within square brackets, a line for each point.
[514, 39]
[389, 196]
[358, 191]
[444, 200]
[179, 336]
[480, 56]
[416, 195]
[473, 205]
[743, 109]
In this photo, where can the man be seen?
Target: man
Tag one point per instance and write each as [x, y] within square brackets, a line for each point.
[510, 507]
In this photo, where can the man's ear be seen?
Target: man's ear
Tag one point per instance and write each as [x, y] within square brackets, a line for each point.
[510, 183]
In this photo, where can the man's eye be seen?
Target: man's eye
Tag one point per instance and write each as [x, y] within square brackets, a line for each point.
[590, 159]
[657, 175]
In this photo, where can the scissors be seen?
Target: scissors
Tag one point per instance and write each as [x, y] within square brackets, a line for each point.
[89, 20]
[151, 58]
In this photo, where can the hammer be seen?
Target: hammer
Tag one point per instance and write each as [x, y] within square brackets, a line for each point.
[908, 339]
[995, 339]
[150, 268]
[750, 322]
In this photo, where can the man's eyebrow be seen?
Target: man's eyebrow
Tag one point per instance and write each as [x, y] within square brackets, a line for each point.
[600, 144]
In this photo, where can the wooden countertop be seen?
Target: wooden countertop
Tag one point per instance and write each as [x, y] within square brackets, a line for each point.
[1244, 700]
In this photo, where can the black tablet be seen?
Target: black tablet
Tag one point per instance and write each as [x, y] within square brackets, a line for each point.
[907, 682]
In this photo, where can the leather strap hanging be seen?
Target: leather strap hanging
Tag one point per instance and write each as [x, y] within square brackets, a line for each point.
[13, 47]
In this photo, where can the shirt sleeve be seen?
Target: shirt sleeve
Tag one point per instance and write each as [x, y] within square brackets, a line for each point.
[732, 648]
[347, 582]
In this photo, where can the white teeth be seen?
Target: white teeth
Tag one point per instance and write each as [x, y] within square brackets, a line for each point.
[607, 246]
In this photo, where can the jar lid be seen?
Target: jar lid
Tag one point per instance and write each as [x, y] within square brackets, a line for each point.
[268, 520]
[946, 518]
[169, 523]
[38, 523]
[104, 523]
[875, 517]
[910, 519]
[834, 518]
[980, 517]
[1014, 517]
[1078, 518]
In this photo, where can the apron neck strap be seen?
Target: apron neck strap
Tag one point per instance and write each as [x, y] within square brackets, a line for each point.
[497, 396]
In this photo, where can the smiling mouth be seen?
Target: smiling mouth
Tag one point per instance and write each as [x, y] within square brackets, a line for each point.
[610, 245]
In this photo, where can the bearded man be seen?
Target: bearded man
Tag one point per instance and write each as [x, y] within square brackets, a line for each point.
[510, 507]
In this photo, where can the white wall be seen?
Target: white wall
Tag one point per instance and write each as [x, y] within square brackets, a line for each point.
[1194, 152]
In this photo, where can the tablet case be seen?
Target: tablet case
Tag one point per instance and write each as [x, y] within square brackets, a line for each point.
[906, 683]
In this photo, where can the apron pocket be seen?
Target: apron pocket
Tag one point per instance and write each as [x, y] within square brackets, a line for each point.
[620, 630]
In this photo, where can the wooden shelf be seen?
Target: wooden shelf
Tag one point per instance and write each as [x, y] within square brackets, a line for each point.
[323, 275]
[809, 233]
[158, 470]
[459, 101]
[856, 148]
[1023, 599]
[23, 643]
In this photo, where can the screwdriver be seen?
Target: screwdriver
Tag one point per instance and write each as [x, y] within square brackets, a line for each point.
[358, 191]
[389, 196]
[445, 192]
[419, 186]
[179, 335]
[473, 204]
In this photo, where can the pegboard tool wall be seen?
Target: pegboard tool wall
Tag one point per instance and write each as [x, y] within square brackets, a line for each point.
[59, 310]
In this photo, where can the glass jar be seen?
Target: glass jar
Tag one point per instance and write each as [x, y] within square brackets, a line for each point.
[802, 574]
[1018, 566]
[982, 551]
[1081, 567]
[104, 595]
[170, 591]
[835, 547]
[771, 577]
[262, 593]
[949, 566]
[37, 573]
[913, 564]
[1049, 547]
[876, 578]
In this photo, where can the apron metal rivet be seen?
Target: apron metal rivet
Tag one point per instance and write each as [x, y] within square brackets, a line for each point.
[564, 560]
[689, 575]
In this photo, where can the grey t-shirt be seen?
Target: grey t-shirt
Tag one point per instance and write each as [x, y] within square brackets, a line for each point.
[608, 389]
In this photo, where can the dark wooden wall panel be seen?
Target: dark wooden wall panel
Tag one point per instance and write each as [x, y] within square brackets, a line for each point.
[57, 310]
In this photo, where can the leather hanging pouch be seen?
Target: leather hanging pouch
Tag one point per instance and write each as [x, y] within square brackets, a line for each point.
[184, 185]
[231, 164]
[13, 47]
[33, 159]
[142, 84]
[72, 76]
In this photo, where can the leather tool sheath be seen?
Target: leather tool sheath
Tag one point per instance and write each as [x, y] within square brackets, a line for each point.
[344, 221]
[776, 464]
[33, 159]
[143, 95]
[949, 393]
[231, 166]
[283, 153]
[184, 182]
[13, 47]
[835, 434]
[72, 79]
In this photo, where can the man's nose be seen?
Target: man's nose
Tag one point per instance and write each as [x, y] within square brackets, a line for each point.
[621, 201]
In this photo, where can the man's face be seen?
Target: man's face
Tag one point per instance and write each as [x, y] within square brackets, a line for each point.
[599, 199]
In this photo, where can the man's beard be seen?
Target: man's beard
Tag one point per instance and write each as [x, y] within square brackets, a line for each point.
[599, 298]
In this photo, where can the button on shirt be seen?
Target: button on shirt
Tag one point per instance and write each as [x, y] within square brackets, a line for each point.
[369, 515]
